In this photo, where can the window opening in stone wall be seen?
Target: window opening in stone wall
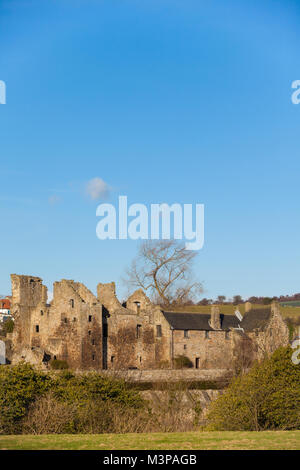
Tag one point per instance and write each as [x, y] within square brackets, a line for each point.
[138, 307]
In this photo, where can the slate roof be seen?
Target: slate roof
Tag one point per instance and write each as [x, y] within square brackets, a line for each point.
[198, 321]
[256, 318]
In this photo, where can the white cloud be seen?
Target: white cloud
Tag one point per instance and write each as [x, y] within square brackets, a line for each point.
[96, 188]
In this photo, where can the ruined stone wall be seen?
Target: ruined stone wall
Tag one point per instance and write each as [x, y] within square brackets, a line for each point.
[93, 333]
[133, 338]
[155, 346]
[69, 329]
[276, 334]
[163, 343]
[122, 341]
[27, 293]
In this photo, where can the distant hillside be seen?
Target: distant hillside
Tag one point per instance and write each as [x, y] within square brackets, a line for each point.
[228, 309]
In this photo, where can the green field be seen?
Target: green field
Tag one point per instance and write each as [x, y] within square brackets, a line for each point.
[229, 309]
[272, 440]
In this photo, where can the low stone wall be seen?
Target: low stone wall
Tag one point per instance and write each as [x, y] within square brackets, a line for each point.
[171, 375]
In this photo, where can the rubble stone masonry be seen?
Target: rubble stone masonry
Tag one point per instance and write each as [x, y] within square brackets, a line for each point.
[96, 333]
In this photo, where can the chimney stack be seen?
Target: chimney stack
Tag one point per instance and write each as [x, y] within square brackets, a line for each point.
[215, 320]
[275, 309]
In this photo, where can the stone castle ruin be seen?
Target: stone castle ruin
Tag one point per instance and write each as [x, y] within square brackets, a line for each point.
[96, 333]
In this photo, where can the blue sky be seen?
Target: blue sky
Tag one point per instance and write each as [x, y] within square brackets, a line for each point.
[166, 101]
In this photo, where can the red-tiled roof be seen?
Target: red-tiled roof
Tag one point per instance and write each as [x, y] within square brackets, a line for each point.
[5, 303]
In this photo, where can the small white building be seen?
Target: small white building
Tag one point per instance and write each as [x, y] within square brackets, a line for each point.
[4, 310]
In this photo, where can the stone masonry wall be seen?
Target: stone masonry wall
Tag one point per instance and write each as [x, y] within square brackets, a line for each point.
[95, 333]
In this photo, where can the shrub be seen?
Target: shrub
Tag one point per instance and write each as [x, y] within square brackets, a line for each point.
[267, 397]
[8, 326]
[293, 326]
[182, 362]
[47, 415]
[64, 402]
[83, 387]
[58, 364]
[19, 386]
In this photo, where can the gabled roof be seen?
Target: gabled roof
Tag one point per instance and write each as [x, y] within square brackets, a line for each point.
[229, 321]
[198, 321]
[187, 321]
[256, 319]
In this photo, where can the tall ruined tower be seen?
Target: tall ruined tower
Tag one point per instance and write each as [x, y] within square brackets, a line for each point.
[28, 293]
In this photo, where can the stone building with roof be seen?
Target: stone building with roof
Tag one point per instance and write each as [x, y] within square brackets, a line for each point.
[98, 332]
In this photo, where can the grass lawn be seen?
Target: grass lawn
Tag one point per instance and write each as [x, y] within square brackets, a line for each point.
[275, 440]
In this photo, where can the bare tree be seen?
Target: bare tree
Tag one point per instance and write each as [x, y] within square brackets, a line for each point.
[164, 269]
[244, 354]
[237, 299]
